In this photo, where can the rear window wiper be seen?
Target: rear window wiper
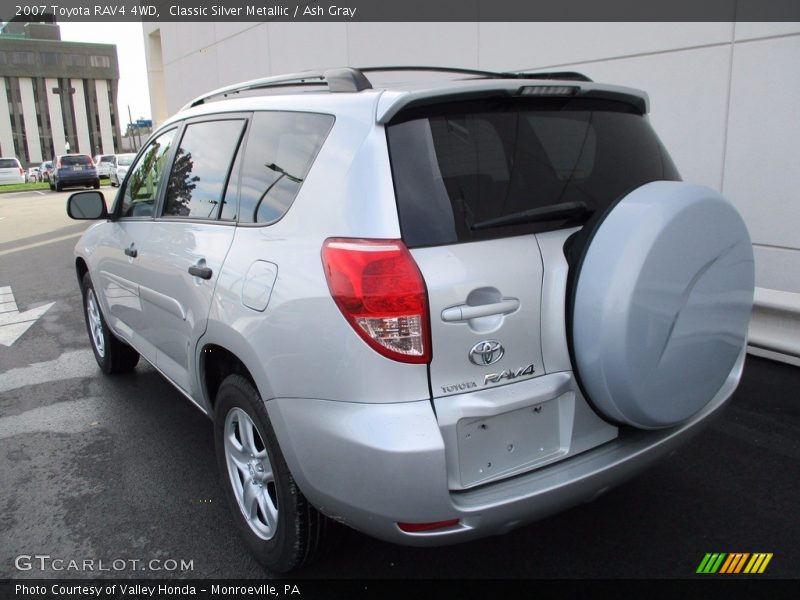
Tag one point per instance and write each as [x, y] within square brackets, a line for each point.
[551, 212]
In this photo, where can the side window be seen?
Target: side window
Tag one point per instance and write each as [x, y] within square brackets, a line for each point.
[140, 192]
[200, 169]
[280, 150]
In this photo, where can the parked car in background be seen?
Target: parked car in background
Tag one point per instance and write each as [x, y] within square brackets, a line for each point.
[72, 170]
[44, 170]
[33, 175]
[121, 164]
[104, 164]
[11, 171]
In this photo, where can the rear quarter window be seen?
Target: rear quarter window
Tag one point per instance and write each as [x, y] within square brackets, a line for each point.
[281, 148]
[460, 165]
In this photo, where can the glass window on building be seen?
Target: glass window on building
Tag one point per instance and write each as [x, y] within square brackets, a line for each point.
[49, 58]
[3, 59]
[100, 61]
[74, 60]
[24, 58]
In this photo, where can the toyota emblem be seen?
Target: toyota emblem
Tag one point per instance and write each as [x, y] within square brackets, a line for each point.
[486, 352]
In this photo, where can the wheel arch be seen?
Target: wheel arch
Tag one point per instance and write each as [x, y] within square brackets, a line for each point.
[81, 268]
[222, 352]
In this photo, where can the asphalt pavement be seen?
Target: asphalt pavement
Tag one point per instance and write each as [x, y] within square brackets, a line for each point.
[122, 468]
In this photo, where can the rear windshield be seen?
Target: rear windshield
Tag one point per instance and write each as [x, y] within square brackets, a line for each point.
[107, 158]
[78, 159]
[458, 167]
[125, 159]
[8, 163]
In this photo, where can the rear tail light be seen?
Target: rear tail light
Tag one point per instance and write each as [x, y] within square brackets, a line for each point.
[380, 291]
[21, 171]
[58, 164]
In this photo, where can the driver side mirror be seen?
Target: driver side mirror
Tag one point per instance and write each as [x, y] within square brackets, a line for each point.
[87, 206]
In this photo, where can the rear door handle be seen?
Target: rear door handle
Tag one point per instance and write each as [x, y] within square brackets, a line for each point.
[465, 312]
[201, 272]
[132, 252]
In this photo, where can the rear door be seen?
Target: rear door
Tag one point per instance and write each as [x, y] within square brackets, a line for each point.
[475, 181]
[189, 242]
[452, 172]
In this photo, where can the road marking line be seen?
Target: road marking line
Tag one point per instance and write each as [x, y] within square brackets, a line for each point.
[70, 365]
[37, 244]
[13, 324]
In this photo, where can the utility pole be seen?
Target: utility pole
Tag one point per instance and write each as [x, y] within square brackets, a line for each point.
[138, 134]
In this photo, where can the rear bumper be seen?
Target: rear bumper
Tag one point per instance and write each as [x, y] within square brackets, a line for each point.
[374, 465]
[11, 179]
[72, 178]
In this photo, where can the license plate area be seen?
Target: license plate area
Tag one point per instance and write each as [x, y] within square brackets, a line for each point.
[490, 447]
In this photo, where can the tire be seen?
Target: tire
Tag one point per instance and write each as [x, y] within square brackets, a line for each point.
[96, 184]
[52, 187]
[295, 530]
[59, 186]
[113, 356]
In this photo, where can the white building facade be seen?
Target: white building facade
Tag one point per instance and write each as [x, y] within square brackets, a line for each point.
[724, 98]
[55, 95]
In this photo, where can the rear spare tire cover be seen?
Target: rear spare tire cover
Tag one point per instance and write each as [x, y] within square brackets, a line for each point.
[662, 296]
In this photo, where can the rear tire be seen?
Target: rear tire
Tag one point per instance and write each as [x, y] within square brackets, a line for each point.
[282, 530]
[96, 184]
[59, 186]
[112, 354]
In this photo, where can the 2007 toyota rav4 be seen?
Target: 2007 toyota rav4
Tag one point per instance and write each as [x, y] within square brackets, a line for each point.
[431, 311]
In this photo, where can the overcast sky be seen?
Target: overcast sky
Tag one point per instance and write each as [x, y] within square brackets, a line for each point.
[133, 89]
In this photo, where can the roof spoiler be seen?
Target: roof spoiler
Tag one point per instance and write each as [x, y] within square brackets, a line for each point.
[349, 79]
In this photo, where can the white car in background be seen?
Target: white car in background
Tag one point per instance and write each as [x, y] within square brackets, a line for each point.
[32, 175]
[121, 163]
[11, 171]
[104, 164]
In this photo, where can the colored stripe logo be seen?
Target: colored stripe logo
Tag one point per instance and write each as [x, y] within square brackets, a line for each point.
[734, 563]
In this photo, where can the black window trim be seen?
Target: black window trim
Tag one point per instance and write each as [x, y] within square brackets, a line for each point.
[161, 199]
[116, 216]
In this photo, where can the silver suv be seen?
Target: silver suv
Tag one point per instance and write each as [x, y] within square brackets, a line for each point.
[430, 311]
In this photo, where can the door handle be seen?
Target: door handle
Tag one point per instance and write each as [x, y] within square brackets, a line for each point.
[465, 312]
[201, 272]
[132, 252]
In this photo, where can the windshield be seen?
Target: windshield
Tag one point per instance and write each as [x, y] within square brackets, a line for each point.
[475, 170]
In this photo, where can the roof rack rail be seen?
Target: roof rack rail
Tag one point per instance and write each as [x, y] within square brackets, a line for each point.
[349, 79]
[345, 79]
[566, 75]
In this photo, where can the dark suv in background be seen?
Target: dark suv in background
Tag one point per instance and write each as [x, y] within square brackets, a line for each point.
[72, 170]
